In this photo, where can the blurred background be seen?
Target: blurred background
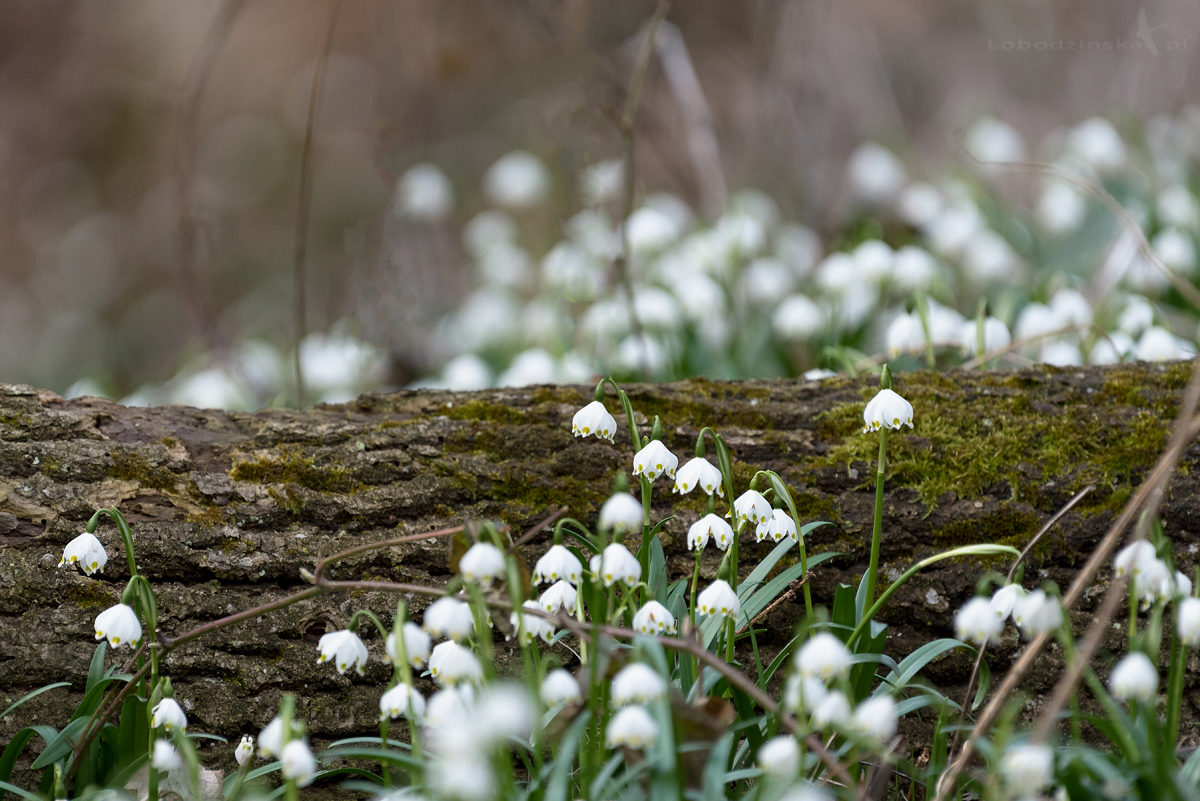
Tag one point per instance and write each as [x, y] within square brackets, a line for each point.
[813, 190]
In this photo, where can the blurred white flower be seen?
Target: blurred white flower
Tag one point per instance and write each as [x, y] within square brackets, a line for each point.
[401, 699]
[1037, 613]
[423, 192]
[573, 271]
[1177, 207]
[654, 460]
[165, 758]
[1157, 345]
[824, 657]
[486, 230]
[505, 265]
[987, 257]
[875, 174]
[1098, 144]
[466, 372]
[560, 687]
[1115, 347]
[989, 139]
[417, 645]
[532, 626]
[805, 792]
[1070, 307]
[780, 757]
[87, 551]
[1176, 249]
[650, 230]
[557, 564]
[1153, 582]
[905, 334]
[517, 180]
[699, 472]
[449, 617]
[594, 419]
[954, 227]
[503, 711]
[270, 739]
[718, 598]
[451, 664]
[797, 318]
[1035, 320]
[448, 706]
[654, 618]
[345, 649]
[616, 563]
[803, 693]
[1061, 208]
[1187, 618]
[1060, 353]
[1005, 599]
[529, 367]
[919, 204]
[168, 714]
[875, 719]
[1134, 678]
[1134, 558]
[631, 727]
[914, 269]
[120, 625]
[462, 776]
[637, 683]
[874, 259]
[482, 563]
[764, 281]
[799, 247]
[1136, 315]
[1028, 768]
[995, 335]
[621, 513]
[710, 526]
[559, 596]
[977, 622]
[602, 182]
[832, 710]
[887, 410]
[298, 763]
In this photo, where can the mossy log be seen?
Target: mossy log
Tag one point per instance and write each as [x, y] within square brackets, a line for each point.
[227, 508]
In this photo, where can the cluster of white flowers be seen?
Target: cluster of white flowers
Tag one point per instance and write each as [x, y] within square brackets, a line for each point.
[981, 620]
[816, 689]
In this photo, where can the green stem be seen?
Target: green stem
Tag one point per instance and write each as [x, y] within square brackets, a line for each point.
[877, 527]
[1175, 676]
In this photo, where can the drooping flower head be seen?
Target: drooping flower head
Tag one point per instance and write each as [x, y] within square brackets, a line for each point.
[401, 700]
[449, 617]
[710, 526]
[558, 564]
[416, 645]
[654, 460]
[560, 687]
[615, 564]
[631, 727]
[86, 551]
[298, 763]
[165, 758]
[1187, 616]
[531, 626]
[1134, 678]
[637, 683]
[887, 410]
[482, 563]
[875, 719]
[824, 657]
[698, 472]
[780, 757]
[719, 598]
[168, 714]
[776, 527]
[345, 649]
[978, 622]
[594, 419]
[752, 508]
[1028, 768]
[451, 664]
[120, 625]
[621, 513]
[654, 618]
[560, 595]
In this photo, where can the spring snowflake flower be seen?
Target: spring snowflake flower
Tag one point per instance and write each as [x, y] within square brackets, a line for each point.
[824, 656]
[621, 513]
[120, 625]
[631, 727]
[448, 706]
[1005, 598]
[345, 649]
[165, 757]
[887, 410]
[832, 710]
[517, 180]
[776, 527]
[168, 714]
[399, 700]
[654, 618]
[482, 563]
[977, 622]
[1153, 582]
[875, 718]
[805, 792]
[86, 551]
[298, 763]
[1187, 618]
[616, 564]
[637, 683]
[417, 644]
[503, 711]
[751, 507]
[803, 693]
[270, 739]
[1028, 768]
[465, 777]
[449, 617]
[560, 595]
[710, 526]
[1134, 678]
[558, 564]
[1037, 613]
[1133, 558]
[654, 460]
[594, 419]
[244, 751]
[560, 687]
[1183, 585]
[531, 626]
[719, 598]
[451, 664]
[780, 757]
[701, 473]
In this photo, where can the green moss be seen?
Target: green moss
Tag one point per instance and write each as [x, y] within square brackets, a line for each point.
[1007, 524]
[211, 516]
[288, 499]
[482, 410]
[292, 468]
[129, 465]
[91, 595]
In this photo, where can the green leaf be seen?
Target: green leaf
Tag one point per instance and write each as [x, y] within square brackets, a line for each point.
[8, 758]
[912, 664]
[12, 788]
[60, 744]
[96, 667]
[32, 694]
[657, 580]
[714, 776]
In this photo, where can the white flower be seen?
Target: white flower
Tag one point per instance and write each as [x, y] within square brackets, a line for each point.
[532, 626]
[1005, 598]
[451, 663]
[621, 513]
[416, 645]
[637, 683]
[165, 757]
[780, 757]
[875, 718]
[482, 563]
[560, 595]
[86, 551]
[560, 687]
[805, 792]
[120, 625]
[298, 763]
[751, 507]
[776, 527]
[466, 777]
[654, 460]
[977, 622]
[399, 700]
[518, 180]
[995, 335]
[803, 693]
[270, 739]
[875, 174]
[719, 598]
[887, 410]
[631, 727]
[503, 711]
[1037, 613]
[1183, 585]
[424, 192]
[1134, 677]
[905, 334]
[1028, 768]
[1133, 558]
[594, 419]
[447, 707]
[699, 472]
[1187, 621]
[832, 710]
[345, 649]
[1153, 582]
[244, 751]
[824, 656]
[558, 564]
[449, 617]
[654, 618]
[168, 714]
[617, 564]
[710, 526]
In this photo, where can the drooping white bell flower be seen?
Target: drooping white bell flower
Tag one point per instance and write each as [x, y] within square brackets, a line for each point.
[887, 410]
[298, 763]
[345, 649]
[560, 595]
[401, 700]
[1037, 613]
[417, 644]
[558, 564]
[699, 472]
[424, 193]
[594, 419]
[875, 719]
[168, 714]
[995, 336]
[1133, 558]
[165, 758]
[1134, 678]
[87, 551]
[631, 727]
[270, 739]
[654, 460]
[481, 563]
[244, 751]
[780, 757]
[710, 526]
[462, 776]
[1187, 617]
[977, 622]
[560, 687]
[824, 656]
[621, 513]
[451, 664]
[1028, 768]
[719, 598]
[531, 626]
[751, 507]
[1005, 598]
[449, 617]
[776, 527]
[448, 706]
[637, 683]
[832, 710]
[120, 625]
[615, 564]
[517, 180]
[654, 618]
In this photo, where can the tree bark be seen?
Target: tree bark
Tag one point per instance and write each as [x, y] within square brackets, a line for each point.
[227, 508]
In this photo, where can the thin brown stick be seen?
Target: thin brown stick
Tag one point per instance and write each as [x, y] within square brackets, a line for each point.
[536, 529]
[304, 201]
[319, 570]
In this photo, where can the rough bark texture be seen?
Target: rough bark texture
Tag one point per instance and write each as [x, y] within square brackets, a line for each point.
[227, 507]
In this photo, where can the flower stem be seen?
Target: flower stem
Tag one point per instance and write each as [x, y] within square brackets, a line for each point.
[877, 527]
